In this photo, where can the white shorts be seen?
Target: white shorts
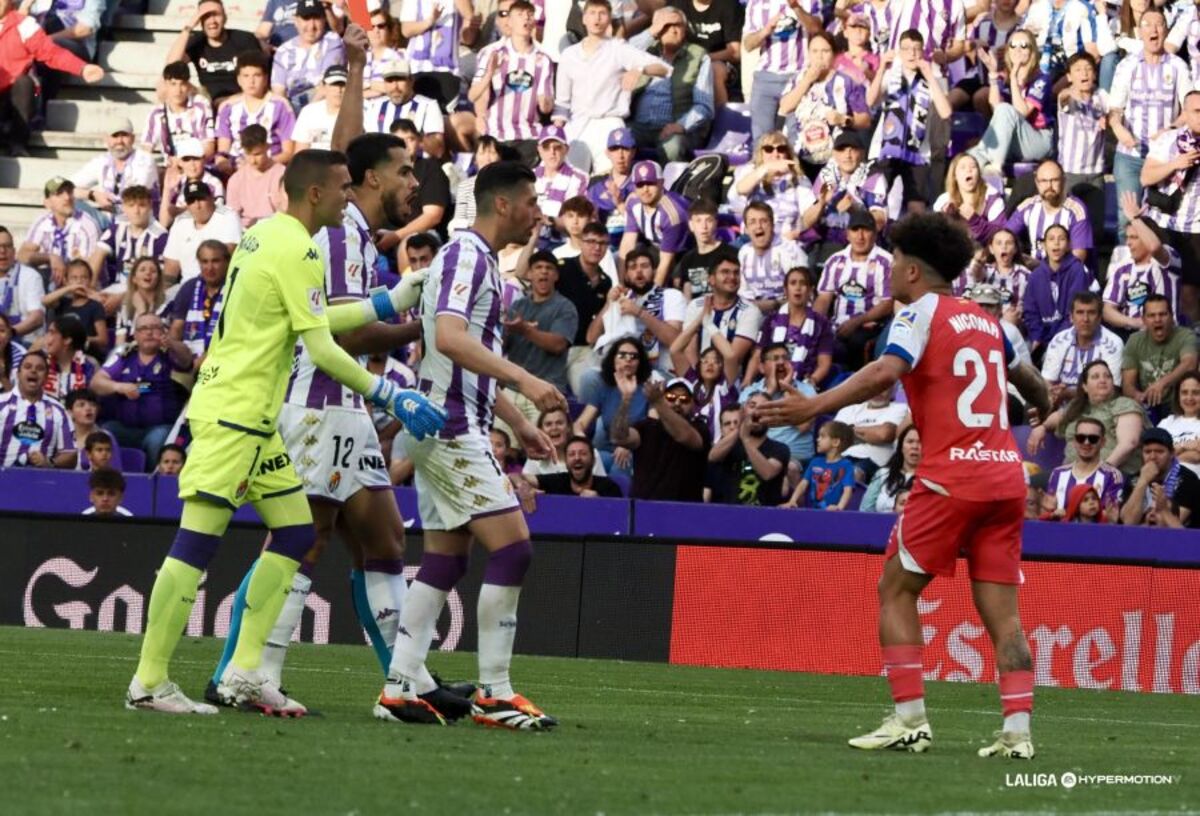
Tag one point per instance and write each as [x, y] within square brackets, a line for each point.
[335, 451]
[458, 481]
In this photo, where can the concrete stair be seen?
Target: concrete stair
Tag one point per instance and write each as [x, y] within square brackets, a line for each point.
[133, 56]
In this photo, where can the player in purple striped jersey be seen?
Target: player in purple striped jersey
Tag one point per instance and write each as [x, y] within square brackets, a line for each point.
[326, 428]
[462, 490]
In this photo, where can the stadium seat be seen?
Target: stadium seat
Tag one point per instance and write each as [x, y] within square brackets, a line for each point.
[730, 137]
[1051, 454]
[622, 481]
[133, 460]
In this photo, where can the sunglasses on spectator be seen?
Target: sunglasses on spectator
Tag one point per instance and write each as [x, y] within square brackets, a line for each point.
[1087, 439]
[642, 184]
[379, 26]
[503, 12]
[675, 399]
[770, 148]
[627, 355]
[1020, 46]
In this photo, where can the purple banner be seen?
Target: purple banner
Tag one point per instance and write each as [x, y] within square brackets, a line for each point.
[39, 490]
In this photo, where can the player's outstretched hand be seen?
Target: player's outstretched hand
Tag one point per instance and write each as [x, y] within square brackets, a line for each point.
[542, 394]
[537, 444]
[792, 409]
[407, 293]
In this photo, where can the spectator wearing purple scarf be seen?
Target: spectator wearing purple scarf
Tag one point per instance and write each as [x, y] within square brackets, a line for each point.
[1047, 305]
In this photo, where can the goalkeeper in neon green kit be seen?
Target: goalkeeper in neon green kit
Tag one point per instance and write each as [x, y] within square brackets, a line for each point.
[274, 294]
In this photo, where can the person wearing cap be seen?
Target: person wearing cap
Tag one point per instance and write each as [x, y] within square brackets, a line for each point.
[186, 167]
[514, 83]
[184, 114]
[213, 50]
[1075, 346]
[539, 328]
[434, 30]
[301, 62]
[63, 233]
[767, 258]
[844, 185]
[557, 180]
[101, 181]
[400, 101]
[592, 87]
[1166, 493]
[993, 300]
[670, 450]
[204, 220]
[22, 43]
[255, 105]
[822, 102]
[609, 191]
[673, 115]
[654, 216]
[314, 124]
[856, 284]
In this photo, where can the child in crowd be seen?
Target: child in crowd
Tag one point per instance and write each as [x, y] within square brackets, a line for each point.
[692, 271]
[106, 489]
[171, 459]
[98, 450]
[828, 480]
[502, 450]
[255, 105]
[76, 296]
[184, 114]
[255, 190]
[1083, 505]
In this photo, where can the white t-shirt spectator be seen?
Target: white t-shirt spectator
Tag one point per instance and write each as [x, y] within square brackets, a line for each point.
[314, 125]
[1183, 429]
[854, 415]
[120, 511]
[1065, 360]
[185, 238]
[21, 292]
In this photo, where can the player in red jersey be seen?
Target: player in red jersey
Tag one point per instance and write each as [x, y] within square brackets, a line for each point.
[969, 490]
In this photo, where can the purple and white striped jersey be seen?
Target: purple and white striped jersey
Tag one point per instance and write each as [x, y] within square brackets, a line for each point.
[856, 285]
[789, 197]
[1130, 283]
[166, 127]
[464, 281]
[665, 226]
[763, 273]
[1150, 96]
[273, 113]
[1033, 218]
[298, 68]
[783, 50]
[1186, 217]
[940, 22]
[552, 192]
[42, 426]
[1106, 480]
[1081, 127]
[74, 239]
[1010, 283]
[520, 79]
[1186, 32]
[1065, 358]
[381, 113]
[122, 247]
[350, 257]
[880, 18]
[994, 38]
[437, 48]
[373, 70]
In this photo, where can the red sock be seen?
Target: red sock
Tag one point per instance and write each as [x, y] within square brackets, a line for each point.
[1016, 692]
[903, 666]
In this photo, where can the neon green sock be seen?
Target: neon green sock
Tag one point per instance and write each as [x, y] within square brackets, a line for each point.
[171, 603]
[264, 600]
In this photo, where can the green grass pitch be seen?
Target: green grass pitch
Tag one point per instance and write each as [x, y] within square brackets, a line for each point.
[635, 739]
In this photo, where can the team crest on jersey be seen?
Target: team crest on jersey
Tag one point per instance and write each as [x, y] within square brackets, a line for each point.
[242, 488]
[335, 479]
[248, 244]
[316, 301]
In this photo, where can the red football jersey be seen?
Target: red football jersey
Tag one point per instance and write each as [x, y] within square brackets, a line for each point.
[958, 394]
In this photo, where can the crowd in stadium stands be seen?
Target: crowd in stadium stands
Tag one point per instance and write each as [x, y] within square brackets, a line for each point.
[704, 249]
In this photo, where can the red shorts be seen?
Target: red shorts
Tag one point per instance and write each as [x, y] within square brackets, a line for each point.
[933, 530]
